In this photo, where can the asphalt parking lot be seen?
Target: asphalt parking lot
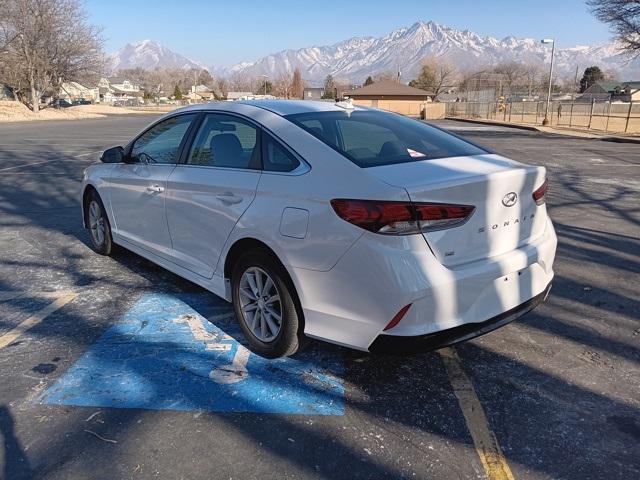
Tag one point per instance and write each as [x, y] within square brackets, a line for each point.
[118, 374]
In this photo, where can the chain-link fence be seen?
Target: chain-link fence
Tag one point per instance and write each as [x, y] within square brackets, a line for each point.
[611, 117]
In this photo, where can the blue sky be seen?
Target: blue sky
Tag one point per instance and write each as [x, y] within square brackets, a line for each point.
[221, 33]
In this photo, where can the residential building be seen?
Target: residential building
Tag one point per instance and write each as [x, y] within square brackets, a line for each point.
[240, 95]
[74, 91]
[313, 93]
[5, 92]
[396, 97]
[119, 91]
[199, 94]
[614, 91]
[389, 90]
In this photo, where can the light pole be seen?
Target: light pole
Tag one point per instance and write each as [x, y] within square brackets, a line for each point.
[553, 48]
[265, 83]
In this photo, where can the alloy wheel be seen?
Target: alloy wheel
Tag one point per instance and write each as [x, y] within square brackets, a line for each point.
[96, 223]
[260, 304]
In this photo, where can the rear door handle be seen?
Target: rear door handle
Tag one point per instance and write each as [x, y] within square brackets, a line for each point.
[155, 189]
[229, 198]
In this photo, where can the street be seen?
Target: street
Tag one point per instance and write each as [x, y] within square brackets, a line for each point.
[558, 388]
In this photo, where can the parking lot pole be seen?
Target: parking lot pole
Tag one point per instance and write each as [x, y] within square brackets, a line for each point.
[545, 121]
[571, 115]
[593, 102]
[626, 127]
[606, 127]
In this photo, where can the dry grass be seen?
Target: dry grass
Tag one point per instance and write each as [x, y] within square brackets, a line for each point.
[11, 111]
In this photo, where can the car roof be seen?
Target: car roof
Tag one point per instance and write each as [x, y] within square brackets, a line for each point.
[279, 107]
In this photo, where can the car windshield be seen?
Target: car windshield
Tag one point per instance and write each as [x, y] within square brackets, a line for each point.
[373, 138]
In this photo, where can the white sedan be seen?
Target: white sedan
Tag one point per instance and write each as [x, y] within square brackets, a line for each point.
[355, 226]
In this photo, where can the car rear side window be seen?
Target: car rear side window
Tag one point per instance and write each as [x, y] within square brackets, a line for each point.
[226, 141]
[372, 138]
[160, 144]
[275, 157]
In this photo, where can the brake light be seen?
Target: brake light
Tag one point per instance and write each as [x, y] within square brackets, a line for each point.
[401, 218]
[540, 193]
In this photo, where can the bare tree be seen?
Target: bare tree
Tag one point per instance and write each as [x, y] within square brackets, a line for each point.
[532, 74]
[514, 73]
[435, 75]
[283, 85]
[46, 42]
[623, 17]
[385, 76]
[240, 83]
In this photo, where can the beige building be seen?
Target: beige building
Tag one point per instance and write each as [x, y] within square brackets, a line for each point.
[74, 91]
[397, 97]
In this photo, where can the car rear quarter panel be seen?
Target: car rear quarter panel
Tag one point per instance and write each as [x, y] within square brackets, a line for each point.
[330, 176]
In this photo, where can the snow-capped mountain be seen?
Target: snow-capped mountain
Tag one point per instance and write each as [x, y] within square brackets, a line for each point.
[402, 49]
[149, 55]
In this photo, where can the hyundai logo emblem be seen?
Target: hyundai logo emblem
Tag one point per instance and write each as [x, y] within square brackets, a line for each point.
[510, 199]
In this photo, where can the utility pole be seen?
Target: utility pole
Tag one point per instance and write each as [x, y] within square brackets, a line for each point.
[546, 110]
[575, 84]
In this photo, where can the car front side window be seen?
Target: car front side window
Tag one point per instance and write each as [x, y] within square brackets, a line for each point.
[161, 143]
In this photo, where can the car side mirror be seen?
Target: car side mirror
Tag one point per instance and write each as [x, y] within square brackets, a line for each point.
[113, 155]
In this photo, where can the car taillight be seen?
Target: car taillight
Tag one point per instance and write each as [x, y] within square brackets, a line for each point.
[401, 218]
[539, 194]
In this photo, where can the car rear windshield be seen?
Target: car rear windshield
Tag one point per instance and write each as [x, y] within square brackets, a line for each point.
[373, 138]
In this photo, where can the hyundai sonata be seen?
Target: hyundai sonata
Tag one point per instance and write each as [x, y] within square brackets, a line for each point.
[351, 225]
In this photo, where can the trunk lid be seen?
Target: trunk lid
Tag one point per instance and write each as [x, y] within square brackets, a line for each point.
[488, 182]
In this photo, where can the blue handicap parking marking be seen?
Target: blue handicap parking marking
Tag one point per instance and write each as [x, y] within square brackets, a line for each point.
[166, 354]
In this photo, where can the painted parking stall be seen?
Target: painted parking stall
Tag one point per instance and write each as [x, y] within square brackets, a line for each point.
[179, 352]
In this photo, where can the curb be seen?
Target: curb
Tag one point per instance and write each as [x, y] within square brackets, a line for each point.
[498, 124]
[620, 140]
[566, 133]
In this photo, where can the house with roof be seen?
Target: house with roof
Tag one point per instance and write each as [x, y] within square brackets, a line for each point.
[389, 90]
[75, 91]
[199, 94]
[6, 93]
[396, 97]
[240, 96]
[119, 91]
[614, 91]
[313, 93]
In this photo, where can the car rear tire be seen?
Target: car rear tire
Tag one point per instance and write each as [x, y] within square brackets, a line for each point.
[265, 305]
[98, 225]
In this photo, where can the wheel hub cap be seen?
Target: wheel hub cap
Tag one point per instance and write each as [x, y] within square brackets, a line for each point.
[260, 304]
[96, 223]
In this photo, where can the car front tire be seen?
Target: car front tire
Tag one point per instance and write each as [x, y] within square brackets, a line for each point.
[98, 225]
[265, 305]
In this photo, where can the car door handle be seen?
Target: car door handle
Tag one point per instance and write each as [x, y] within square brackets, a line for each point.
[155, 189]
[228, 197]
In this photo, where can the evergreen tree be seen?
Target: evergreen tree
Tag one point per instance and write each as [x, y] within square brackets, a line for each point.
[177, 93]
[329, 87]
[591, 76]
[368, 81]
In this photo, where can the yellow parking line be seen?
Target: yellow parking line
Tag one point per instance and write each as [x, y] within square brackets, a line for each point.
[61, 299]
[486, 444]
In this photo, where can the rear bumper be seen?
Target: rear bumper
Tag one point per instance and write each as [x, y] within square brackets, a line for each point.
[352, 303]
[423, 343]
